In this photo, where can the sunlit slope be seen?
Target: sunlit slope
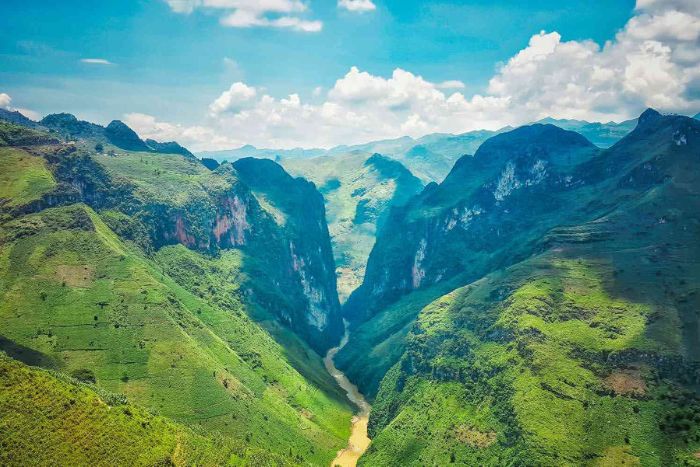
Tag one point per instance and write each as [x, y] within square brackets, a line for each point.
[74, 292]
[51, 419]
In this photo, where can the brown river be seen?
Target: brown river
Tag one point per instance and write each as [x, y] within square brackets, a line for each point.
[358, 442]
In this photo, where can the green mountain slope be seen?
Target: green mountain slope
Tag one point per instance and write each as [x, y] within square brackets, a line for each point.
[122, 268]
[49, 418]
[576, 339]
[359, 189]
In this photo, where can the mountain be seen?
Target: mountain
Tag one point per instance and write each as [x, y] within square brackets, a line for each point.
[16, 117]
[539, 307]
[248, 150]
[210, 164]
[358, 188]
[197, 294]
[116, 134]
[430, 157]
[170, 147]
[15, 135]
[69, 126]
[697, 116]
[602, 135]
[120, 135]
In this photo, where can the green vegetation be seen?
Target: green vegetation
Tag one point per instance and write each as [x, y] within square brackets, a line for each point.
[575, 341]
[540, 364]
[23, 177]
[48, 418]
[151, 276]
[16, 135]
[72, 290]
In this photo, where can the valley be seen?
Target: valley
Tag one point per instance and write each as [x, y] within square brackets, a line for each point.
[265, 313]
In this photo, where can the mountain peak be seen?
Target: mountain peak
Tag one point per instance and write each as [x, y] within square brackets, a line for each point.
[59, 118]
[649, 115]
[119, 134]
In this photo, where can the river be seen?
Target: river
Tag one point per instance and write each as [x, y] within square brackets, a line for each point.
[358, 441]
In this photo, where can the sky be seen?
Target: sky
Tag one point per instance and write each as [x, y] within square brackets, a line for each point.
[217, 74]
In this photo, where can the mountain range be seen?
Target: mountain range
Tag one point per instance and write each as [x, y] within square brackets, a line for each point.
[521, 297]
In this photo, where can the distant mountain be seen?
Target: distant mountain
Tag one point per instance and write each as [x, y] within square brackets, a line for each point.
[359, 189]
[69, 126]
[430, 157]
[120, 135]
[697, 117]
[602, 135]
[117, 133]
[210, 164]
[232, 155]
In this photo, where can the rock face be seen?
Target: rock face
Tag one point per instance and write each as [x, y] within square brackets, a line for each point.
[359, 189]
[296, 245]
[484, 201]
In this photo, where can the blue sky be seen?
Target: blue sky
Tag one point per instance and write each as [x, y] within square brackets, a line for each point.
[171, 60]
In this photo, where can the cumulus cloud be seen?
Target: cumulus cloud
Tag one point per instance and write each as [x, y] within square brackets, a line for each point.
[5, 101]
[96, 61]
[357, 5]
[193, 137]
[253, 13]
[654, 61]
[238, 97]
[451, 84]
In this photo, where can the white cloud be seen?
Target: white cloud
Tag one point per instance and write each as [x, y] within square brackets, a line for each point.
[238, 97]
[96, 61]
[5, 101]
[654, 61]
[253, 13]
[451, 84]
[357, 5]
[194, 138]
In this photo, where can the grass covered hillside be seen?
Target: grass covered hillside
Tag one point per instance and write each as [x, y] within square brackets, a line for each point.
[359, 189]
[49, 418]
[109, 273]
[582, 350]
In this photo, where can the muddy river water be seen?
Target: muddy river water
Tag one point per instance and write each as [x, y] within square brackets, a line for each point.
[358, 442]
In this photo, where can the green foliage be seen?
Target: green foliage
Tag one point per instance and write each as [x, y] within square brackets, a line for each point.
[17, 135]
[74, 291]
[52, 419]
[545, 356]
[23, 177]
